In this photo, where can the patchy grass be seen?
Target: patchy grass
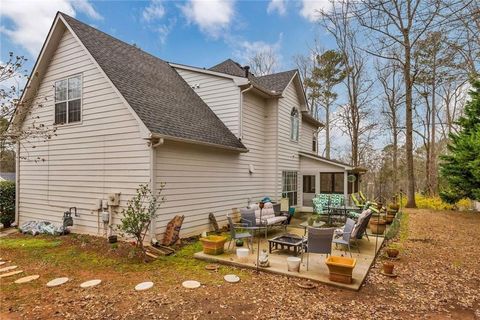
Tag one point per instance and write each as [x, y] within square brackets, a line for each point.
[29, 243]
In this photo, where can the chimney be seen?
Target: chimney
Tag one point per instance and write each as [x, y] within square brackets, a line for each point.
[247, 71]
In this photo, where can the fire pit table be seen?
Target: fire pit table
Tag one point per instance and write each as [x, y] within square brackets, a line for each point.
[288, 241]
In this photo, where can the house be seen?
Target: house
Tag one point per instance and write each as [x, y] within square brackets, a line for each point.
[219, 138]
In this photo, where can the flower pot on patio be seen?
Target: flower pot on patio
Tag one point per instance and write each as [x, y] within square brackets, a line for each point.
[377, 226]
[388, 267]
[293, 264]
[213, 244]
[341, 268]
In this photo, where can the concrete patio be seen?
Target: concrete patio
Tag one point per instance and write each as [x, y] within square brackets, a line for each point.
[318, 270]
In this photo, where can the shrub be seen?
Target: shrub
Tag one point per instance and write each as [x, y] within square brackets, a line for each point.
[7, 202]
[139, 213]
[436, 203]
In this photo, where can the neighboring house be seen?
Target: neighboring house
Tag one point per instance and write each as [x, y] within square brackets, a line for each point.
[219, 138]
[7, 176]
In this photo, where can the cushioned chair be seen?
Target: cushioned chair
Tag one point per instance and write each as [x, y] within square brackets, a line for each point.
[319, 241]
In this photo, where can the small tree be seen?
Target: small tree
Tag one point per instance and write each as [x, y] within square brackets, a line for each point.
[461, 166]
[139, 213]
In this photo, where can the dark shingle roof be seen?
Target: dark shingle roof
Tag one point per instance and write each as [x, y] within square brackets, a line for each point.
[157, 93]
[276, 81]
[229, 67]
[273, 83]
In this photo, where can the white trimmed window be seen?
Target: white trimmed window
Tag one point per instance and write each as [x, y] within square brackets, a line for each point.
[68, 100]
[290, 186]
[294, 124]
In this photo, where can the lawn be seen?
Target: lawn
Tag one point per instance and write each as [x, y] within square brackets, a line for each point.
[438, 279]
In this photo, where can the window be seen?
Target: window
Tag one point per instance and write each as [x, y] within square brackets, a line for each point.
[295, 123]
[332, 182]
[289, 187]
[68, 101]
[314, 143]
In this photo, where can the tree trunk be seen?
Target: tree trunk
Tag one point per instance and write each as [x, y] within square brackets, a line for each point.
[433, 161]
[409, 123]
[395, 157]
[327, 131]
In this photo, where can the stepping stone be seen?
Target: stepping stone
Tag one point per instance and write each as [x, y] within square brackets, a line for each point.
[144, 286]
[91, 283]
[8, 268]
[231, 278]
[191, 284]
[8, 274]
[27, 279]
[57, 282]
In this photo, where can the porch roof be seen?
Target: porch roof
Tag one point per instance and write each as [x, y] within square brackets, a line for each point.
[337, 163]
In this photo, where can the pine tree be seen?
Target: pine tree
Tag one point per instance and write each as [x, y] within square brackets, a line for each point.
[461, 166]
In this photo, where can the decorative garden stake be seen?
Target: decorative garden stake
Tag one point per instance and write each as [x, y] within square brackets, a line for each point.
[260, 205]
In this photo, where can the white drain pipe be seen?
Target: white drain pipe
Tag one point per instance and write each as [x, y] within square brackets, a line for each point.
[153, 180]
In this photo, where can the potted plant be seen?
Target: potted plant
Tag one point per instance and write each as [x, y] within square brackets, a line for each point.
[213, 245]
[392, 251]
[388, 267]
[394, 207]
[239, 243]
[341, 268]
[377, 226]
[311, 220]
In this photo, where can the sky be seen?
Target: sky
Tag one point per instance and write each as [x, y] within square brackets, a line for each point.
[201, 33]
[194, 32]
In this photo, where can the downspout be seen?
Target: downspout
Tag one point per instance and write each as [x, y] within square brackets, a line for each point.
[240, 110]
[153, 181]
[17, 184]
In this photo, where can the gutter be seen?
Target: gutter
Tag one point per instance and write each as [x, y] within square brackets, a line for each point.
[214, 145]
[153, 181]
[17, 185]
[240, 110]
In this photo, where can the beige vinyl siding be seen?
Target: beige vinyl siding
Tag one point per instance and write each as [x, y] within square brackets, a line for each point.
[200, 180]
[312, 165]
[306, 137]
[84, 161]
[222, 95]
[288, 150]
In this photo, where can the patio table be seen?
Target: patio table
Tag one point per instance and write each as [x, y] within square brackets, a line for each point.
[343, 211]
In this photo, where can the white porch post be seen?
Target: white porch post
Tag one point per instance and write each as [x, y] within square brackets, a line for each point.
[317, 182]
[345, 186]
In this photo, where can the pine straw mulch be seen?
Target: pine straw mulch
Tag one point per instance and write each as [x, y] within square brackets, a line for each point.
[437, 279]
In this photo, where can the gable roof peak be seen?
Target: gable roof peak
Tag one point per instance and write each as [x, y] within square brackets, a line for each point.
[160, 97]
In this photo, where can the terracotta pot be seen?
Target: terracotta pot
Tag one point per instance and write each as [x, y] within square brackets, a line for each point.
[388, 267]
[394, 207]
[378, 226]
[392, 253]
[389, 218]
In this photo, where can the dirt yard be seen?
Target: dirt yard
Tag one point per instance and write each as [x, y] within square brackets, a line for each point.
[438, 278]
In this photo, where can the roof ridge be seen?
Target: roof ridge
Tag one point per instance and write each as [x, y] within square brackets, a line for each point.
[112, 37]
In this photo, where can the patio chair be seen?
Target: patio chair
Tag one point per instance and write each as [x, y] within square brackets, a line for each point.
[346, 235]
[356, 201]
[319, 241]
[236, 235]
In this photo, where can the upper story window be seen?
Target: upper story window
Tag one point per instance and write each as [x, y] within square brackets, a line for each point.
[68, 100]
[314, 143]
[294, 124]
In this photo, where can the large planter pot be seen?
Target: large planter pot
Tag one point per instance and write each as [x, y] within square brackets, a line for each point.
[378, 226]
[341, 268]
[213, 244]
[389, 218]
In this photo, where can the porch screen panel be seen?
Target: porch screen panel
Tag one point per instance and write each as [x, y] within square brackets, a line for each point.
[339, 182]
[326, 180]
